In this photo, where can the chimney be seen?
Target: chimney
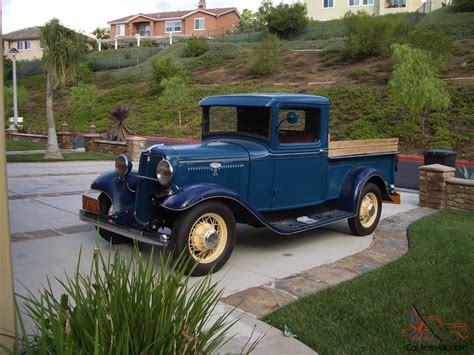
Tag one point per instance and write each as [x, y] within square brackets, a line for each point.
[202, 4]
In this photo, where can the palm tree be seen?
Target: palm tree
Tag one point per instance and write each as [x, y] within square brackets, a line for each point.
[62, 54]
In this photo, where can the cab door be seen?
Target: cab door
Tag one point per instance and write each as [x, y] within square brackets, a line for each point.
[299, 159]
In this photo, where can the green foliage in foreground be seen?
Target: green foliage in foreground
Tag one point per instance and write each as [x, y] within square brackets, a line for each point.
[23, 158]
[19, 145]
[453, 24]
[367, 314]
[124, 305]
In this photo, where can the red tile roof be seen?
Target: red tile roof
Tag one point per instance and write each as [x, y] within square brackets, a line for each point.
[176, 14]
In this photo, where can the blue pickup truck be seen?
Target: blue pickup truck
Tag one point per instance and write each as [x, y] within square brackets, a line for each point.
[264, 160]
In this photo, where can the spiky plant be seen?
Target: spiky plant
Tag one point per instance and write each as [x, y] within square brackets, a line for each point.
[120, 132]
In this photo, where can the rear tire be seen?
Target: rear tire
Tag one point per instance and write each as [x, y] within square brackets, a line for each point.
[368, 211]
[205, 236]
[104, 208]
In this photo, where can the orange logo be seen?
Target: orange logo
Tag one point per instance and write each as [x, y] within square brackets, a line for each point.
[433, 328]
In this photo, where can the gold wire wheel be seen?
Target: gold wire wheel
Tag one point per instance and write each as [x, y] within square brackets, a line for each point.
[207, 238]
[368, 210]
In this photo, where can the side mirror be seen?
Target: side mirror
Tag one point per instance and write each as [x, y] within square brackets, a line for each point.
[292, 117]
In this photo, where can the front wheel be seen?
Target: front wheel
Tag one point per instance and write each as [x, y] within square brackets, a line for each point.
[368, 211]
[205, 235]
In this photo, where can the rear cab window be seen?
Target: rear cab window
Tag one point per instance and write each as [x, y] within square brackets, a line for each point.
[306, 130]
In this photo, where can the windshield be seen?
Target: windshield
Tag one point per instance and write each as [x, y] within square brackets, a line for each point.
[253, 121]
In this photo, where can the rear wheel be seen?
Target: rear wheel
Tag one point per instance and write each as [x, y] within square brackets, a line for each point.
[205, 235]
[368, 211]
[105, 206]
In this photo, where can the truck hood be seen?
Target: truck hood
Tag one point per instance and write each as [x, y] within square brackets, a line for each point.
[205, 151]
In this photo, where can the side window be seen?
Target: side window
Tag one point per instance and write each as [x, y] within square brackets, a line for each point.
[297, 126]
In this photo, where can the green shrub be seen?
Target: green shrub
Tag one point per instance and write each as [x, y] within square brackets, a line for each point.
[434, 42]
[463, 5]
[166, 67]
[370, 36]
[194, 47]
[219, 54]
[452, 23]
[124, 305]
[266, 57]
[361, 129]
[286, 19]
[21, 99]
[26, 68]
[147, 43]
[360, 74]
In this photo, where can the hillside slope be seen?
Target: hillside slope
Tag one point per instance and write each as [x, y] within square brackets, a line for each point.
[361, 107]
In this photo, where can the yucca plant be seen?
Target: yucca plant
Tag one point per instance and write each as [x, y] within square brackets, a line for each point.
[124, 305]
[120, 131]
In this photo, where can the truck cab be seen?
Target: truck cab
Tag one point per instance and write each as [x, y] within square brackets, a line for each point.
[264, 160]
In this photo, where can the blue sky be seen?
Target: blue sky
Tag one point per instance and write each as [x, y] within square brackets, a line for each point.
[85, 15]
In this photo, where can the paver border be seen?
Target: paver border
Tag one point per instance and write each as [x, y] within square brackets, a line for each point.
[390, 242]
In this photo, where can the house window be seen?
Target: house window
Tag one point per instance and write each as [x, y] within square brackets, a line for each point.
[354, 2]
[120, 30]
[19, 45]
[367, 2]
[327, 4]
[27, 44]
[173, 26]
[144, 29]
[199, 24]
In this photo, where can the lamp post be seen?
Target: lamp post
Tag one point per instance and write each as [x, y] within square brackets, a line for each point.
[14, 52]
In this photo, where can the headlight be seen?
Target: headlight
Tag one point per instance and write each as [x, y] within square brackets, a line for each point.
[122, 166]
[164, 172]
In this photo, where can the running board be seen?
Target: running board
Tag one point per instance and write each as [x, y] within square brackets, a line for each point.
[159, 239]
[297, 221]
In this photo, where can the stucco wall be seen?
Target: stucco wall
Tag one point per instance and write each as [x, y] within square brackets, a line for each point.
[213, 25]
[380, 7]
[341, 7]
[35, 51]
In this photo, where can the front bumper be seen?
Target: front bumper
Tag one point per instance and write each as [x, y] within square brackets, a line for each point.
[102, 222]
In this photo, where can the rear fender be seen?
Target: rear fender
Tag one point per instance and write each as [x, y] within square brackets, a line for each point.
[354, 183]
[120, 191]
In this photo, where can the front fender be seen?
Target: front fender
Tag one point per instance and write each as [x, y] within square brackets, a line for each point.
[189, 196]
[354, 183]
[120, 191]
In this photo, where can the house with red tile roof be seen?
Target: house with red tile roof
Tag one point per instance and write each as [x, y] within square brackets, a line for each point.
[198, 22]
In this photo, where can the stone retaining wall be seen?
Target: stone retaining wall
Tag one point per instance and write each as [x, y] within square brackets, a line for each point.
[133, 147]
[440, 189]
[65, 139]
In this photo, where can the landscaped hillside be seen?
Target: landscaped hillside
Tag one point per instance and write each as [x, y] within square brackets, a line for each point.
[361, 104]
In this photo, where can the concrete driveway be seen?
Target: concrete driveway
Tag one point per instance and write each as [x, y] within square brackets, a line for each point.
[47, 234]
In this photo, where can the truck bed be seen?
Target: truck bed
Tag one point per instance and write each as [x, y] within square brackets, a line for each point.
[367, 146]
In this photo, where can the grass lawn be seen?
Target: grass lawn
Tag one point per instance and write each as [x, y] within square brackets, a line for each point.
[367, 314]
[23, 158]
[17, 145]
